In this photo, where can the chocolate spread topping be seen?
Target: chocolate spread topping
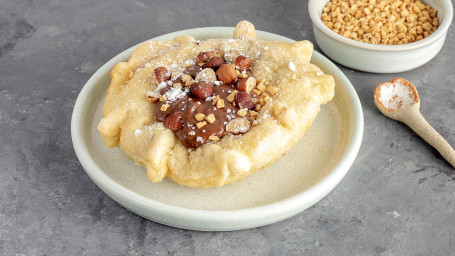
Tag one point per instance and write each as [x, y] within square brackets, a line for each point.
[188, 105]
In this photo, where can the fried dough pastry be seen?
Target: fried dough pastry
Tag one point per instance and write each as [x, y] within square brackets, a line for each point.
[294, 90]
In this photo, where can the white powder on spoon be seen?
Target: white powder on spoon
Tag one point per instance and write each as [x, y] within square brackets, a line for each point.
[396, 96]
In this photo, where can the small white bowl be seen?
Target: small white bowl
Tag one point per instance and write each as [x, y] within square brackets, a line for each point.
[380, 58]
[295, 182]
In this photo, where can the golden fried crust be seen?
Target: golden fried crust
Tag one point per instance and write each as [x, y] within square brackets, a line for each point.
[129, 118]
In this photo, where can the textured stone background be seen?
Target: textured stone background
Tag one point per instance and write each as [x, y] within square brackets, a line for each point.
[397, 199]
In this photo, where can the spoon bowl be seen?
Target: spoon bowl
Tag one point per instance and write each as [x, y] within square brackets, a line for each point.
[396, 98]
[399, 100]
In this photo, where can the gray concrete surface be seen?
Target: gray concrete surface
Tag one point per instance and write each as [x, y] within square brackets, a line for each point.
[397, 199]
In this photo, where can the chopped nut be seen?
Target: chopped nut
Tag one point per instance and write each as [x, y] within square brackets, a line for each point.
[260, 101]
[257, 91]
[163, 98]
[186, 78]
[189, 83]
[220, 104]
[264, 94]
[200, 64]
[266, 97]
[260, 81]
[427, 26]
[238, 125]
[261, 87]
[174, 75]
[199, 116]
[242, 112]
[152, 99]
[231, 96]
[177, 85]
[216, 99]
[214, 138]
[201, 124]
[253, 113]
[210, 118]
[258, 107]
[380, 22]
[164, 107]
[243, 75]
[272, 90]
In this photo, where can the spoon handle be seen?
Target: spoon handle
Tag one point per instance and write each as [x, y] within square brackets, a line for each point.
[419, 125]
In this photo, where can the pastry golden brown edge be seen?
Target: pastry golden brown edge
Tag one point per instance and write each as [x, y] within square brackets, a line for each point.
[129, 118]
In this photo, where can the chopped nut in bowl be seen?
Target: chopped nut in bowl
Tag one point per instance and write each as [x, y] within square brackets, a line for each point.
[381, 36]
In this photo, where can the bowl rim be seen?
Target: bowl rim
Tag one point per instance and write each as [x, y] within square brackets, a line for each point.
[440, 32]
[213, 220]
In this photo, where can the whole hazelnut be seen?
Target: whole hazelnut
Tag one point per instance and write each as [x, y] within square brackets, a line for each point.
[227, 74]
[173, 121]
[207, 74]
[204, 56]
[243, 63]
[201, 89]
[244, 100]
[214, 62]
[192, 70]
[246, 84]
[162, 74]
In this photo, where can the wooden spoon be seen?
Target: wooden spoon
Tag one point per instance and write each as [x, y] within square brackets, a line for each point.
[399, 100]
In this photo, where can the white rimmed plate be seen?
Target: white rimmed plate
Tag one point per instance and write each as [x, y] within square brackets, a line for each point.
[295, 182]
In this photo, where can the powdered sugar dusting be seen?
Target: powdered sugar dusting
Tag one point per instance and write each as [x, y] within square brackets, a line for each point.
[174, 94]
[160, 86]
[396, 96]
[292, 66]
[151, 94]
[243, 129]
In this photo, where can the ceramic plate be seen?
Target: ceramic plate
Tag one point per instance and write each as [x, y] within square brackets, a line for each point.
[295, 182]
